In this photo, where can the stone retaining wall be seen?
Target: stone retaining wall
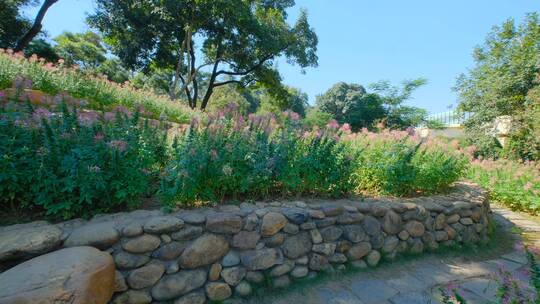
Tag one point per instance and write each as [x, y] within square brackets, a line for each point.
[192, 256]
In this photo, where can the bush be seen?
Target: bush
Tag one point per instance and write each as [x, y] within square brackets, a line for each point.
[514, 184]
[228, 156]
[100, 93]
[397, 163]
[76, 163]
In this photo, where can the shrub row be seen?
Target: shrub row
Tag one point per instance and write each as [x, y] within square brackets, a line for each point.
[71, 162]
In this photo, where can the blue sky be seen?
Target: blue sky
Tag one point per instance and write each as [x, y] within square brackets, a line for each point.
[364, 41]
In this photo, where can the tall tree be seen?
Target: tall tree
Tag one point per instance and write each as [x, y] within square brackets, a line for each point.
[503, 82]
[36, 26]
[350, 103]
[84, 49]
[234, 41]
[13, 24]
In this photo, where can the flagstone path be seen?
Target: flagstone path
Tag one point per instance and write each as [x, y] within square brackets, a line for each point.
[419, 280]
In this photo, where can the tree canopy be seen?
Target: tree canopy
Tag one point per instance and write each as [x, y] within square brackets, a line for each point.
[13, 25]
[84, 49]
[353, 104]
[234, 41]
[503, 82]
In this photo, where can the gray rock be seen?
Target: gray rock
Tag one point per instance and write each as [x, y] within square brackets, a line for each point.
[404, 235]
[299, 272]
[133, 229]
[261, 259]
[232, 258]
[454, 218]
[316, 214]
[416, 246]
[378, 210]
[218, 291]
[145, 276]
[325, 222]
[371, 226]
[101, 235]
[343, 246]
[338, 258]
[441, 236]
[142, 244]
[359, 250]
[233, 275]
[125, 260]
[272, 223]
[326, 248]
[133, 297]
[318, 262]
[295, 215]
[360, 264]
[316, 236]
[193, 217]
[377, 241]
[297, 245]
[29, 241]
[373, 258]
[165, 238]
[390, 243]
[308, 226]
[302, 260]
[187, 233]
[440, 220]
[170, 251]
[251, 222]
[291, 229]
[392, 222]
[467, 221]
[331, 234]
[282, 269]
[332, 210]
[196, 297]
[243, 289]
[181, 283]
[226, 223]
[163, 224]
[354, 233]
[205, 250]
[415, 228]
[348, 218]
[172, 268]
[245, 240]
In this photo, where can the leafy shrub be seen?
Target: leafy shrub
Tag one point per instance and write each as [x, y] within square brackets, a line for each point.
[514, 184]
[101, 94]
[399, 163]
[227, 155]
[76, 163]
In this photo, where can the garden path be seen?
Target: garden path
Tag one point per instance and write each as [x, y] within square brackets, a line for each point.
[419, 280]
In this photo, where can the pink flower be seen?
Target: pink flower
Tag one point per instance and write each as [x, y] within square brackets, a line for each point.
[119, 145]
[527, 186]
[333, 124]
[87, 118]
[346, 128]
[98, 137]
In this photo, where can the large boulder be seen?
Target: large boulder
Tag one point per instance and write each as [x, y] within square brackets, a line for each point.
[29, 241]
[272, 223]
[74, 275]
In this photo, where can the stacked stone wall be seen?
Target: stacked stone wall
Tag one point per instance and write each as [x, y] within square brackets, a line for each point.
[193, 256]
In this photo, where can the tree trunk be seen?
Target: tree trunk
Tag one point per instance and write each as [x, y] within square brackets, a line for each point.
[36, 27]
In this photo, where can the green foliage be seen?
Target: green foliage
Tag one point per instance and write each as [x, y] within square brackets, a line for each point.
[514, 184]
[503, 82]
[317, 118]
[295, 100]
[226, 156]
[13, 25]
[352, 104]
[114, 70]
[395, 163]
[99, 93]
[238, 40]
[83, 49]
[76, 163]
[42, 49]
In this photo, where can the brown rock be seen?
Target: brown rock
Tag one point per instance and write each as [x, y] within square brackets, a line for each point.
[29, 241]
[272, 223]
[415, 228]
[145, 276]
[226, 223]
[101, 235]
[142, 244]
[205, 250]
[245, 240]
[359, 250]
[218, 291]
[214, 272]
[71, 275]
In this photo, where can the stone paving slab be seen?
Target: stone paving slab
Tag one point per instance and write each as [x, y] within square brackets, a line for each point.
[420, 281]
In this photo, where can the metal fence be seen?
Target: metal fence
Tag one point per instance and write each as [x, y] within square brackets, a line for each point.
[450, 118]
